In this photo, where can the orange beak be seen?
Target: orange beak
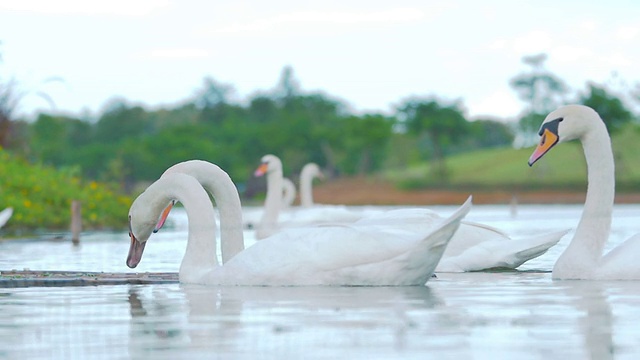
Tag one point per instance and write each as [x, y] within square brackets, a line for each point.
[163, 217]
[261, 170]
[547, 141]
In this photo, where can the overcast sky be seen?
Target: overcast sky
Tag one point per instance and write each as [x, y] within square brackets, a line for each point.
[371, 54]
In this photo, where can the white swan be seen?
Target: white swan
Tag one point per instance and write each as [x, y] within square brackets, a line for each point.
[309, 172]
[270, 221]
[384, 254]
[5, 215]
[583, 258]
[218, 183]
[475, 247]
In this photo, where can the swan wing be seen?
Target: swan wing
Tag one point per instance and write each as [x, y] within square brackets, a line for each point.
[471, 234]
[355, 254]
[500, 254]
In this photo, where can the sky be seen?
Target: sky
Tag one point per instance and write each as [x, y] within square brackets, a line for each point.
[370, 54]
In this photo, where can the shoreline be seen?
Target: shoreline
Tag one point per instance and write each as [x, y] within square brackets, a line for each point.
[358, 191]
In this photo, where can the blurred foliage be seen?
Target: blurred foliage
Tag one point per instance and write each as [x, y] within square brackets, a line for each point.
[442, 125]
[611, 109]
[127, 144]
[41, 197]
[542, 91]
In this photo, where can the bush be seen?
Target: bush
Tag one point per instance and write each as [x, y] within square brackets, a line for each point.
[41, 197]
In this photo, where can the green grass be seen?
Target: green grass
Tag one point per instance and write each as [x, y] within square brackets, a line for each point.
[563, 167]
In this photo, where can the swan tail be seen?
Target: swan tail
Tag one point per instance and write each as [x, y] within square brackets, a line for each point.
[538, 245]
[437, 240]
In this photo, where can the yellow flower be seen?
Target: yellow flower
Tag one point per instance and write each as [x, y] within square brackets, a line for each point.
[27, 203]
[93, 185]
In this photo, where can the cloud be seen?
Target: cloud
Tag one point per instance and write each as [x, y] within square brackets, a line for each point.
[81, 7]
[501, 103]
[628, 33]
[309, 19]
[176, 53]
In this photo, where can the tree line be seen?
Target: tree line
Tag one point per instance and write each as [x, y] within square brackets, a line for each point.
[129, 143]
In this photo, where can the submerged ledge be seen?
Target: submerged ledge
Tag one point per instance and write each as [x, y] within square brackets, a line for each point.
[30, 278]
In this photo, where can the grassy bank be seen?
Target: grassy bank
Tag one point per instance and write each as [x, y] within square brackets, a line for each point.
[563, 168]
[494, 176]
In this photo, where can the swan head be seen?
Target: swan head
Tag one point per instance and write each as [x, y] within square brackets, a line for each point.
[143, 221]
[566, 123]
[314, 170]
[268, 163]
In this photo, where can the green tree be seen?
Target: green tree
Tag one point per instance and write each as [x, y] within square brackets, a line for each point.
[120, 121]
[442, 124]
[487, 133]
[541, 90]
[365, 142]
[612, 110]
[212, 100]
[9, 98]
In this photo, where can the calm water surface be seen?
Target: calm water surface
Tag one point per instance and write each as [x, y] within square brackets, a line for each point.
[523, 315]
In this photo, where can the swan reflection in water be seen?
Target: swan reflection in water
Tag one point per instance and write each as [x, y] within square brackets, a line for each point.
[459, 315]
[247, 320]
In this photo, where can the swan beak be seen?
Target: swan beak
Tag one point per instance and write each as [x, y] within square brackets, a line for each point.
[163, 217]
[135, 251]
[261, 170]
[548, 140]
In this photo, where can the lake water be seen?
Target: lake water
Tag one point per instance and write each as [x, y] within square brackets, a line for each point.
[507, 315]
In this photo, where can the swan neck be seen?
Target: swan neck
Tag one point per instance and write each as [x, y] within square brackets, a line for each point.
[219, 184]
[306, 189]
[200, 255]
[229, 207]
[595, 224]
[272, 204]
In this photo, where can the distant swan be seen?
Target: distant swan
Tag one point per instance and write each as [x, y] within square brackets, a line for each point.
[583, 257]
[387, 253]
[269, 223]
[309, 172]
[474, 247]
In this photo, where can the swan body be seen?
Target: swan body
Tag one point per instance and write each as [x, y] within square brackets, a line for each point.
[354, 254]
[583, 258]
[474, 247]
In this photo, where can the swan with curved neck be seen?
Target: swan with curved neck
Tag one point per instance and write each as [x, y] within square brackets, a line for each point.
[218, 183]
[389, 253]
[474, 247]
[583, 258]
